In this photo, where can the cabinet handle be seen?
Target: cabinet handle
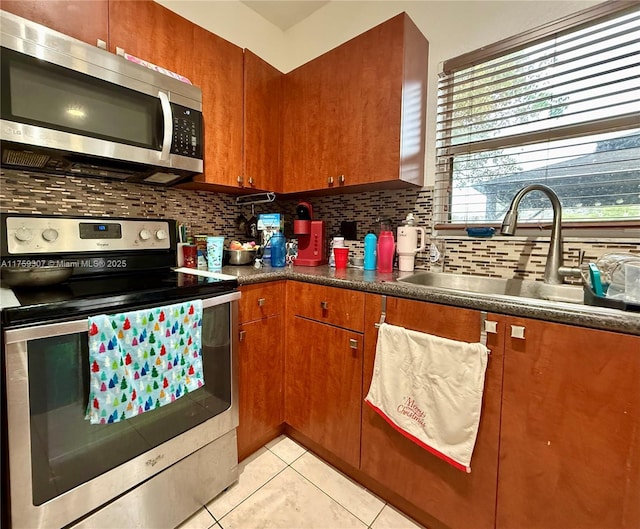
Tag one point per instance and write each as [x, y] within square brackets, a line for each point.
[240, 179]
[324, 305]
[251, 180]
[261, 302]
[330, 180]
[341, 179]
[491, 327]
[353, 344]
[242, 333]
[517, 331]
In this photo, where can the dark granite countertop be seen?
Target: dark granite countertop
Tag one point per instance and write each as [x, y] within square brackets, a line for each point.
[373, 282]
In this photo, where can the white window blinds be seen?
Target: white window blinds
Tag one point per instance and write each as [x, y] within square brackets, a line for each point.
[563, 111]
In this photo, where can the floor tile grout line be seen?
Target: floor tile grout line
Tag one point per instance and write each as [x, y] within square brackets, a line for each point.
[249, 496]
[333, 499]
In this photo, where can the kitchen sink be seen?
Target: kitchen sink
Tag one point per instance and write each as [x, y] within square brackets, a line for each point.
[495, 286]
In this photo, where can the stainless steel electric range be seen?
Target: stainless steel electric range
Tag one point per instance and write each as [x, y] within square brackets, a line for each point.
[153, 469]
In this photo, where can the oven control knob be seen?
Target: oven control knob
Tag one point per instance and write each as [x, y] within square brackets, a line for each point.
[145, 234]
[50, 235]
[161, 235]
[24, 234]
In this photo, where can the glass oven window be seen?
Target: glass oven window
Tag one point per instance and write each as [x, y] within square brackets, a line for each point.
[66, 450]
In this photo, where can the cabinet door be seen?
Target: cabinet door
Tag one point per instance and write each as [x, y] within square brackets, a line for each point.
[152, 32]
[261, 384]
[323, 386]
[306, 157]
[87, 21]
[262, 124]
[569, 444]
[394, 87]
[218, 70]
[323, 126]
[439, 495]
[355, 116]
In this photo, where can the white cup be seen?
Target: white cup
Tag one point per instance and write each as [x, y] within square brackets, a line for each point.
[407, 246]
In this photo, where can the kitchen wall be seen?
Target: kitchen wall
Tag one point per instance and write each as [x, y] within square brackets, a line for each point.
[216, 213]
[203, 212]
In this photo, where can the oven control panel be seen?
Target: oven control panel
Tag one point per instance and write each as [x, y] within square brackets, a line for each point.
[40, 235]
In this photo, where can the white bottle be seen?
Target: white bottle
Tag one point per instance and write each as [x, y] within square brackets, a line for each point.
[407, 244]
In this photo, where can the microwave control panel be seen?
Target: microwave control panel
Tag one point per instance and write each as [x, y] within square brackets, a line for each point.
[187, 132]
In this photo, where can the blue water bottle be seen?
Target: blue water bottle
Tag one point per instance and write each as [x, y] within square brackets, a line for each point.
[370, 241]
[278, 250]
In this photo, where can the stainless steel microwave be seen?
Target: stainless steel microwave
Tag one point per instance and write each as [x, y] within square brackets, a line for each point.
[72, 108]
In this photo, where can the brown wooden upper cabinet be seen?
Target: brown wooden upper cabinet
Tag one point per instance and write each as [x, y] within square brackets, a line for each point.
[355, 116]
[262, 125]
[156, 34]
[352, 118]
[87, 21]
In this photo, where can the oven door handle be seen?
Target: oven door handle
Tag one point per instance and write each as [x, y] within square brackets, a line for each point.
[71, 327]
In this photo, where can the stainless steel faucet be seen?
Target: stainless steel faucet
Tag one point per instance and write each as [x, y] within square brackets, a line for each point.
[554, 270]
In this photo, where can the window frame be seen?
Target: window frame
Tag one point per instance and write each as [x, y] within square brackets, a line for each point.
[570, 23]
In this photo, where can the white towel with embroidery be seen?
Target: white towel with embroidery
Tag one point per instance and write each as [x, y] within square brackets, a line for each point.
[430, 390]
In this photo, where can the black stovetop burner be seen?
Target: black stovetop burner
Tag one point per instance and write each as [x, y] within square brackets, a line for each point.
[110, 294]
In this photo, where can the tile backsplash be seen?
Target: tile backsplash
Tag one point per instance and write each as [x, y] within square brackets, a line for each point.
[216, 213]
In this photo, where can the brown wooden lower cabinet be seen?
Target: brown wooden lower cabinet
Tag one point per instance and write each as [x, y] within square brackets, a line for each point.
[260, 384]
[559, 440]
[261, 366]
[570, 434]
[443, 495]
[323, 386]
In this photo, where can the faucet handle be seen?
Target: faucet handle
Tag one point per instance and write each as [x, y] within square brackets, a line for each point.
[568, 271]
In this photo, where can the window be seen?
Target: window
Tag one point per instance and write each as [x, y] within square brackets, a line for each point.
[558, 106]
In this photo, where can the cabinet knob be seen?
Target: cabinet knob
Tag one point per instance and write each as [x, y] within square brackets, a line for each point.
[330, 180]
[353, 344]
[517, 331]
[261, 302]
[240, 179]
[324, 305]
[341, 179]
[242, 333]
[251, 180]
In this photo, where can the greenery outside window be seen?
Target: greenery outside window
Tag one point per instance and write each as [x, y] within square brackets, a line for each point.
[558, 106]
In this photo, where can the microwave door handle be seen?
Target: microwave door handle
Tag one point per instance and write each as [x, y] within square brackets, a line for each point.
[167, 120]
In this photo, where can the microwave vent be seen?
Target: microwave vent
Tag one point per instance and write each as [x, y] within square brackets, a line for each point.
[25, 158]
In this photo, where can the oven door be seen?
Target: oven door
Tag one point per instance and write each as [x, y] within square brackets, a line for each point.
[61, 467]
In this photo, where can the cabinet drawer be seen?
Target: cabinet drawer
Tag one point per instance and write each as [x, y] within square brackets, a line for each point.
[261, 301]
[335, 306]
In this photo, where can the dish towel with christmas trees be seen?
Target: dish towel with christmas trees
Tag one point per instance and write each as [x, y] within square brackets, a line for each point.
[144, 359]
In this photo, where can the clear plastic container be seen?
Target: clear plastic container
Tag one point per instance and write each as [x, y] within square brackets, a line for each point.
[613, 269]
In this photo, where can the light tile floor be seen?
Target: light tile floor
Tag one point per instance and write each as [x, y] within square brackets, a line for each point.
[284, 486]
